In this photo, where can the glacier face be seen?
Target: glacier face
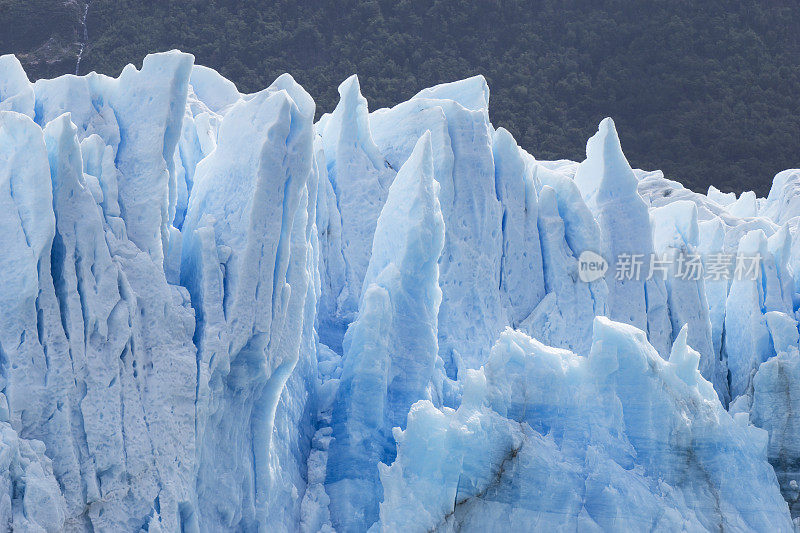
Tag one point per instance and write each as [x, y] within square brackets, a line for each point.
[217, 314]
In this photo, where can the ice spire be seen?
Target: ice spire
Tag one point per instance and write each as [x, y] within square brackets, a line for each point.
[245, 263]
[149, 132]
[360, 178]
[609, 187]
[391, 349]
[472, 313]
[605, 175]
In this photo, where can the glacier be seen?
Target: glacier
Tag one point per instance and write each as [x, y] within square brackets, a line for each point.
[217, 314]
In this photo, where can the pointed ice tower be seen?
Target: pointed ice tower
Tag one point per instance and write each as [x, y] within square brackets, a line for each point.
[246, 264]
[390, 351]
[360, 178]
[472, 313]
[609, 187]
[147, 194]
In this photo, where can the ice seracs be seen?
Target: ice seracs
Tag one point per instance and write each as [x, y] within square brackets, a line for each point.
[471, 93]
[546, 437]
[774, 406]
[216, 314]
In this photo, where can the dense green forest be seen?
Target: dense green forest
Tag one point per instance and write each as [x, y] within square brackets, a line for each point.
[707, 91]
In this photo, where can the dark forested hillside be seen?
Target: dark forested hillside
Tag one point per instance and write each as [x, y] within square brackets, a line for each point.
[707, 91]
